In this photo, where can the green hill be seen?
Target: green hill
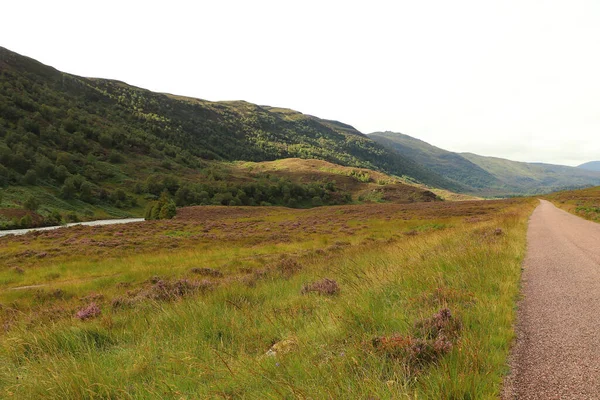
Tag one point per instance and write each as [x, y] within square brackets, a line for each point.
[448, 164]
[488, 176]
[590, 166]
[534, 178]
[96, 147]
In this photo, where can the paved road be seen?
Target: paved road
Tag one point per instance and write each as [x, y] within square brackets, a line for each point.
[557, 354]
[90, 223]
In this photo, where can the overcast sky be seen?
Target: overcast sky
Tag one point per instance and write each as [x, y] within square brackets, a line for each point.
[517, 79]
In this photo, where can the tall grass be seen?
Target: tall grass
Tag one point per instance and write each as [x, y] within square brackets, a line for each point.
[584, 203]
[215, 344]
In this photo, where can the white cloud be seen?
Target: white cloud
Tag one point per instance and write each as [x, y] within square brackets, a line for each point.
[514, 78]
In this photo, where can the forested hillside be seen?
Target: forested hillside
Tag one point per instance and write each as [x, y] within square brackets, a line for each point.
[451, 165]
[98, 147]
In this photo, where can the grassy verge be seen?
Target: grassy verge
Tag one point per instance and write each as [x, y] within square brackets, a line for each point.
[344, 302]
[584, 203]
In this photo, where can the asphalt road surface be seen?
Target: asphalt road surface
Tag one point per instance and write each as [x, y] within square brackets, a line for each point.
[557, 353]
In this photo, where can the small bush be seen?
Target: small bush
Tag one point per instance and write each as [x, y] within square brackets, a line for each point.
[164, 208]
[288, 267]
[435, 337]
[26, 221]
[167, 211]
[30, 177]
[207, 272]
[19, 270]
[163, 290]
[92, 297]
[115, 158]
[42, 296]
[442, 324]
[88, 312]
[31, 203]
[326, 286]
[415, 352]
[124, 302]
[72, 217]
[254, 276]
[169, 290]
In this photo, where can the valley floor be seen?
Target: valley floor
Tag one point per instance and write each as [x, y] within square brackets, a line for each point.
[370, 301]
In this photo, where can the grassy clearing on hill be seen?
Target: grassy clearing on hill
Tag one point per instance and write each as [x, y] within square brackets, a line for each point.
[242, 302]
[361, 185]
[584, 203]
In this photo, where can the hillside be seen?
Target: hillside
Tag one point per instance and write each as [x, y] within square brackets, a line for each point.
[96, 147]
[534, 178]
[488, 176]
[295, 183]
[590, 166]
[451, 165]
[361, 185]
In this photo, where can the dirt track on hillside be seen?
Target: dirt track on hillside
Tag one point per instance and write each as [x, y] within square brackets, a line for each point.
[557, 354]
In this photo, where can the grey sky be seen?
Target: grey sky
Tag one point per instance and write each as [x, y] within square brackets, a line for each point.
[513, 79]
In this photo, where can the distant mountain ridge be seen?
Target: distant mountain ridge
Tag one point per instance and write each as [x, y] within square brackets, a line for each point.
[489, 176]
[590, 166]
[448, 164]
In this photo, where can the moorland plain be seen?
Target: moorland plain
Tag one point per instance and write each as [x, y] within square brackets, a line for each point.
[381, 300]
[306, 260]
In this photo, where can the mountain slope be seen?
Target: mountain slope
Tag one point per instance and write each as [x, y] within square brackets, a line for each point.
[489, 176]
[590, 166]
[41, 99]
[534, 178]
[98, 147]
[81, 115]
[448, 164]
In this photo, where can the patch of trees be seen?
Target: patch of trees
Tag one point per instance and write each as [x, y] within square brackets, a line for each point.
[264, 191]
[32, 219]
[163, 208]
[279, 192]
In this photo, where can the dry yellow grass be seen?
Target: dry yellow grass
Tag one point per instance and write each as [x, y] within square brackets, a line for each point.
[189, 308]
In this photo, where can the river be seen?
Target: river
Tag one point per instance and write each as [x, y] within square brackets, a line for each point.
[90, 223]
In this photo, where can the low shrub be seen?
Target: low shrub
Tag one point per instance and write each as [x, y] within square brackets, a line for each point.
[288, 267]
[162, 290]
[434, 337]
[90, 311]
[442, 324]
[326, 286]
[207, 272]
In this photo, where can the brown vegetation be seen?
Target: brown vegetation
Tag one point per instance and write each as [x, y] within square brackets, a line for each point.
[194, 226]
